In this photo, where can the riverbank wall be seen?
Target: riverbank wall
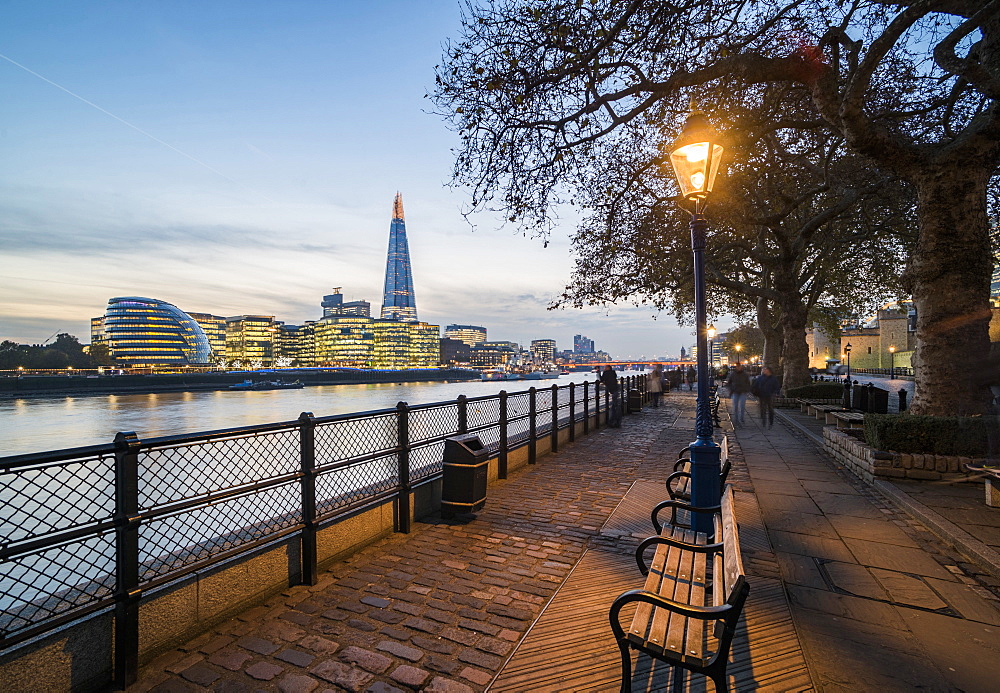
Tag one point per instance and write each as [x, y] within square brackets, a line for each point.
[140, 384]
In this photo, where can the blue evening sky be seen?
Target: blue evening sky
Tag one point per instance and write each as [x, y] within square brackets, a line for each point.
[242, 157]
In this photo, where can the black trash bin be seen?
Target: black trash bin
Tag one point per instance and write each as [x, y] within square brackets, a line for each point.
[463, 479]
[634, 401]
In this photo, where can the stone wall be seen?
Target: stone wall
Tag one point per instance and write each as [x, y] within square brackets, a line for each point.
[868, 463]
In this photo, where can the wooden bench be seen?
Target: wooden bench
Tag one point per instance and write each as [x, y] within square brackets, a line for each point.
[847, 419]
[687, 611]
[679, 482]
[820, 411]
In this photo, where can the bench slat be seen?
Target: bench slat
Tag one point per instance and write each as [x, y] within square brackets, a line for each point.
[694, 644]
[674, 640]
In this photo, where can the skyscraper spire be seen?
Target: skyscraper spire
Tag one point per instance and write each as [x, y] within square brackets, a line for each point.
[398, 302]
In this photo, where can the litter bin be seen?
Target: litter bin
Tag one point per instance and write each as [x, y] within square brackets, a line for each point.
[634, 401]
[463, 479]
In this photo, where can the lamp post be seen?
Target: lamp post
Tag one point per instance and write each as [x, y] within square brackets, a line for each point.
[892, 362]
[739, 348]
[847, 350]
[711, 352]
[695, 158]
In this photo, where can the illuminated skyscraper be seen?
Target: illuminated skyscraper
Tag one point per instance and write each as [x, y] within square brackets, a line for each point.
[399, 302]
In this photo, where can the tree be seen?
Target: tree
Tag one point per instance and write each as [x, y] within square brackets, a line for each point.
[542, 90]
[793, 236]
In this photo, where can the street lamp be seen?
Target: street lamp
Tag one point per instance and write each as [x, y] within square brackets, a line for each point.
[739, 348]
[847, 351]
[695, 158]
[892, 366]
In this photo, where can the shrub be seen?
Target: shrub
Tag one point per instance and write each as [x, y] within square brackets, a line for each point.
[817, 391]
[938, 435]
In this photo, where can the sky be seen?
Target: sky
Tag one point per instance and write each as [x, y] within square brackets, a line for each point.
[242, 158]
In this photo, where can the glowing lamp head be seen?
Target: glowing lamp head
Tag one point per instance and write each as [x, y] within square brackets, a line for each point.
[695, 157]
[711, 331]
[892, 350]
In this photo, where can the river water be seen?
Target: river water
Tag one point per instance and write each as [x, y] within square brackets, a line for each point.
[37, 424]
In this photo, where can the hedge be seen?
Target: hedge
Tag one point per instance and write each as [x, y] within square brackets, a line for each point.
[817, 391]
[938, 435]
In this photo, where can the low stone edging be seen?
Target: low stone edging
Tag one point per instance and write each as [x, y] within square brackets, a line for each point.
[869, 463]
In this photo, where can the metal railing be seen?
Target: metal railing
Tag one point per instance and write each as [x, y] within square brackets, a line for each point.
[93, 528]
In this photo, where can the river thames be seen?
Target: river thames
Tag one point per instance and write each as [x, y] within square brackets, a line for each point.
[37, 424]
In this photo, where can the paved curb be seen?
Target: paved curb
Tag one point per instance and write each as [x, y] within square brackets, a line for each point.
[984, 556]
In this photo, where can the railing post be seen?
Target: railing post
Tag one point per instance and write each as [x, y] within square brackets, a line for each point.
[623, 394]
[597, 404]
[554, 433]
[307, 448]
[463, 415]
[403, 459]
[532, 425]
[572, 412]
[586, 407]
[502, 458]
[127, 592]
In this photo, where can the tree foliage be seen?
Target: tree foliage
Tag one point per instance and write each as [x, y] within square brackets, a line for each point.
[543, 92]
[65, 352]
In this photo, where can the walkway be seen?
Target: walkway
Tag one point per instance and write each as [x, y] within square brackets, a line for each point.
[876, 601]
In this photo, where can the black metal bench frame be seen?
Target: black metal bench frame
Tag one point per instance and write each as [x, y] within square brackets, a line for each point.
[650, 630]
[682, 490]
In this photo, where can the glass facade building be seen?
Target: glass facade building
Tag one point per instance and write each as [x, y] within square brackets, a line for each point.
[470, 334]
[214, 327]
[250, 341]
[543, 349]
[145, 332]
[398, 300]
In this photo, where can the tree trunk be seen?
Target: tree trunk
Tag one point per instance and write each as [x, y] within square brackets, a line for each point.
[795, 350]
[772, 336]
[950, 279]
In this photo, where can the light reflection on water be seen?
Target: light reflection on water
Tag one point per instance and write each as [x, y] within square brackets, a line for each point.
[50, 423]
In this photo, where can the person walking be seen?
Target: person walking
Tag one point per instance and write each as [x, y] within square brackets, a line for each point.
[610, 381]
[765, 387]
[654, 384]
[692, 376]
[738, 383]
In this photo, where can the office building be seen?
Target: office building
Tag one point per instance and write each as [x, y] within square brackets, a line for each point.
[582, 345]
[398, 300]
[296, 345]
[334, 304]
[214, 327]
[455, 352]
[470, 334]
[543, 349]
[97, 332]
[250, 341]
[147, 332]
[493, 354]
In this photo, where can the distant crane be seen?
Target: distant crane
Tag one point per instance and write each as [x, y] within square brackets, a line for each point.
[57, 332]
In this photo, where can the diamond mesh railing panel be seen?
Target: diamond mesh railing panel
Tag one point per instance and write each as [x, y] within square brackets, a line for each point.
[426, 460]
[433, 422]
[347, 484]
[484, 412]
[47, 583]
[177, 472]
[35, 502]
[349, 439]
[543, 403]
[170, 543]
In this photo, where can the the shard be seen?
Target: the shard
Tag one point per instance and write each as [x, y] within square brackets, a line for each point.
[398, 302]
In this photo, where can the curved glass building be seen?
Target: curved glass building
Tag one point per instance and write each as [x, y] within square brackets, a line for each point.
[149, 332]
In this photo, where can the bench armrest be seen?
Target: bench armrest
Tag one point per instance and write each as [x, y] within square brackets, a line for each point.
[704, 613]
[680, 505]
[670, 541]
[676, 475]
[680, 463]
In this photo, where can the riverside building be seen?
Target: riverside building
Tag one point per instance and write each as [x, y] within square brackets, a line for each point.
[398, 301]
[146, 332]
[470, 334]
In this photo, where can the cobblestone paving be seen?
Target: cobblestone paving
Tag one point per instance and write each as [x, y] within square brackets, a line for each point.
[438, 610]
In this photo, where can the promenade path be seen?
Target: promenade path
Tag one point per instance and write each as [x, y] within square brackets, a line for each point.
[847, 593]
